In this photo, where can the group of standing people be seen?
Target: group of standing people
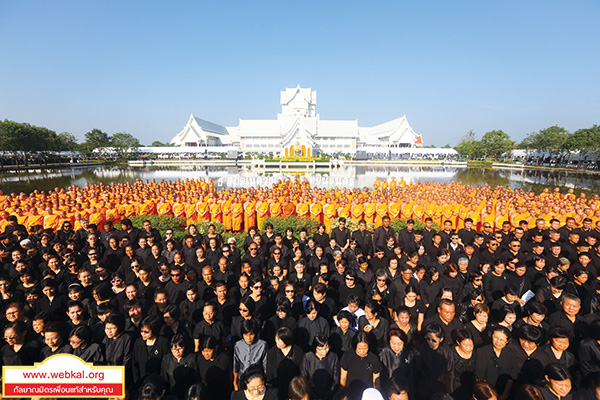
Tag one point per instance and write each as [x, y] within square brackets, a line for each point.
[415, 314]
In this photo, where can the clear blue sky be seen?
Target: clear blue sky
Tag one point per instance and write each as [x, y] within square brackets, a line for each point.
[143, 66]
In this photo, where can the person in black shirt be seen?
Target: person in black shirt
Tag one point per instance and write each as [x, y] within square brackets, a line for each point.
[214, 368]
[495, 363]
[283, 360]
[321, 368]
[364, 238]
[341, 234]
[360, 369]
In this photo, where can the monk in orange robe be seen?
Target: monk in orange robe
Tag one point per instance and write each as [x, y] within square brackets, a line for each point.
[226, 213]
[97, 218]
[262, 211]
[316, 212]
[202, 210]
[289, 208]
[178, 208]
[329, 212]
[356, 210]
[302, 208]
[369, 210]
[249, 213]
[215, 211]
[34, 219]
[275, 209]
[237, 215]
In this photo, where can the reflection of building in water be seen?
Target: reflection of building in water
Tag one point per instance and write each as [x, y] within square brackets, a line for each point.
[298, 131]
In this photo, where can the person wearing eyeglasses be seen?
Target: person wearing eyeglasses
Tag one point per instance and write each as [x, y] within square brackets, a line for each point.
[431, 362]
[17, 350]
[253, 386]
[321, 367]
[496, 363]
[179, 366]
[256, 260]
[149, 349]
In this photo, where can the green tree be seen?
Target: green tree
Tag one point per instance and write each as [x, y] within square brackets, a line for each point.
[552, 139]
[469, 147]
[21, 139]
[94, 139]
[123, 143]
[158, 143]
[495, 143]
[66, 141]
[585, 140]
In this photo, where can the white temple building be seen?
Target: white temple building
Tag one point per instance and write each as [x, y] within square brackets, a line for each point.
[299, 131]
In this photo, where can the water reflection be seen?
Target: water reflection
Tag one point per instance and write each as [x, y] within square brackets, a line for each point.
[347, 176]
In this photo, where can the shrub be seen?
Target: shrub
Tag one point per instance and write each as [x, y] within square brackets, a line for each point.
[203, 227]
[351, 224]
[280, 224]
[162, 223]
[399, 224]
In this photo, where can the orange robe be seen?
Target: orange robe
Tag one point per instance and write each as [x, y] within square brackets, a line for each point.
[163, 209]
[316, 212]
[147, 208]
[329, 214]
[34, 220]
[302, 210]
[249, 214]
[112, 214]
[344, 211]
[289, 209]
[179, 210]
[262, 212]
[407, 210]
[381, 210]
[190, 213]
[357, 211]
[51, 221]
[130, 210]
[98, 219]
[226, 215]
[202, 211]
[394, 210]
[215, 212]
[275, 209]
[237, 216]
[419, 212]
[369, 214]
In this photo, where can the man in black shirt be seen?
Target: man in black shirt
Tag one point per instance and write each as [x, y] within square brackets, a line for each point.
[382, 232]
[446, 312]
[406, 235]
[364, 238]
[467, 234]
[341, 234]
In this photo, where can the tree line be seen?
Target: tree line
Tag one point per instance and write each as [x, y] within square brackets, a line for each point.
[22, 140]
[555, 139]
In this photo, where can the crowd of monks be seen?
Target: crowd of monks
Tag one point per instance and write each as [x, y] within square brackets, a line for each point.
[239, 209]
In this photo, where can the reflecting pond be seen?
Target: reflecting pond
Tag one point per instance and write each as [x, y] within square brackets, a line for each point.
[346, 176]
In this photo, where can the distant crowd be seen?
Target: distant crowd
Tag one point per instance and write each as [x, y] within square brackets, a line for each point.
[239, 209]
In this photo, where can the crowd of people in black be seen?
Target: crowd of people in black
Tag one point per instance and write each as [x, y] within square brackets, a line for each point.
[414, 314]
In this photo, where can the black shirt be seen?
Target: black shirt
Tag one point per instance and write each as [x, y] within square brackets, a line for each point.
[360, 369]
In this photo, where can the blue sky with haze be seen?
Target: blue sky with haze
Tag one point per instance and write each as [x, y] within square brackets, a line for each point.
[143, 66]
